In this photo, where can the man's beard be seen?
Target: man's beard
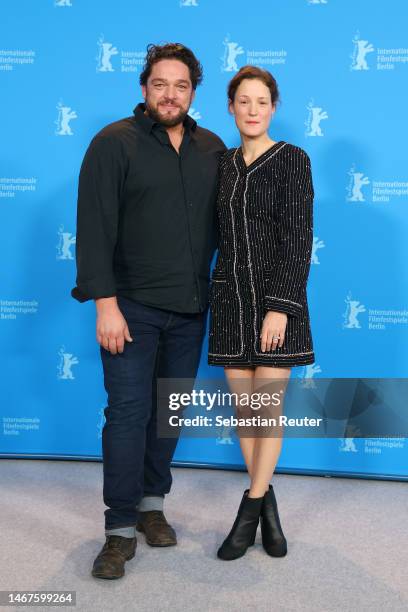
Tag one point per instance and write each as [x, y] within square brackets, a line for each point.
[166, 121]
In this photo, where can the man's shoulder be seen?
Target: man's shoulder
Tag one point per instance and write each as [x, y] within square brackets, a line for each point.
[117, 130]
[207, 136]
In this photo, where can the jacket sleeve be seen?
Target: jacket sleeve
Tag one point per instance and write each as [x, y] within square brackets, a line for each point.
[101, 182]
[294, 219]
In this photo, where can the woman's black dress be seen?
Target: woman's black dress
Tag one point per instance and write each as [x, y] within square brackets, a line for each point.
[265, 217]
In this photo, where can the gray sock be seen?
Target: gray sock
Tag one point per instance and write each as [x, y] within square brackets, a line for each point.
[151, 502]
[125, 532]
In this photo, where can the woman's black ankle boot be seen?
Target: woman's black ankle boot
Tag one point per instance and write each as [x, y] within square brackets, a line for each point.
[243, 532]
[273, 540]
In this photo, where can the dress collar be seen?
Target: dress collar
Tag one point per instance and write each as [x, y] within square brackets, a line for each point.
[261, 158]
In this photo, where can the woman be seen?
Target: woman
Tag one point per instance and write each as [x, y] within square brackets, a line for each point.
[259, 321]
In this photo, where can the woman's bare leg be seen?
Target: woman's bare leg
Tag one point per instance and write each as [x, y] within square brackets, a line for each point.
[266, 450]
[240, 380]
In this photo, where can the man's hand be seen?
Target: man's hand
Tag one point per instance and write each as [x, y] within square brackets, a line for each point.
[273, 326]
[111, 327]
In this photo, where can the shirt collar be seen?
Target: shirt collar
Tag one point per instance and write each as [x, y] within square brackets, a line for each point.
[147, 123]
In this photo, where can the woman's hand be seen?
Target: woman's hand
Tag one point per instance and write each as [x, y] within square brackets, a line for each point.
[273, 330]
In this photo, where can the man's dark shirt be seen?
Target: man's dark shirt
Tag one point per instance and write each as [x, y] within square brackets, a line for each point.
[146, 219]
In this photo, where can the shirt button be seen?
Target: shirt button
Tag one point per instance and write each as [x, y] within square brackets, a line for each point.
[195, 298]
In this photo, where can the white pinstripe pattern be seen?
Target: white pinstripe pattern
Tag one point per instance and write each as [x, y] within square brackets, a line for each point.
[286, 212]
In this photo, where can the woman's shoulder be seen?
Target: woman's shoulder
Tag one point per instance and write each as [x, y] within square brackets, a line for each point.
[291, 154]
[294, 167]
[228, 154]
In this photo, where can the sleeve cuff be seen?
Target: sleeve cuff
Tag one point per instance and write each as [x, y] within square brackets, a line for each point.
[280, 305]
[93, 290]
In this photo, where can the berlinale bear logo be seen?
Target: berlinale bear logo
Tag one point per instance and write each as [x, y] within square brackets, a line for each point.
[65, 115]
[105, 51]
[231, 52]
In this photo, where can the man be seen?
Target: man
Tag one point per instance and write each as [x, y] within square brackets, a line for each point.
[145, 241]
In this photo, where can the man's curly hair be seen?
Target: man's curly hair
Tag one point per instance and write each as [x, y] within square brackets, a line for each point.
[176, 51]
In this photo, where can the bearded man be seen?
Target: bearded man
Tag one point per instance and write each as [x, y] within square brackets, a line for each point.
[146, 235]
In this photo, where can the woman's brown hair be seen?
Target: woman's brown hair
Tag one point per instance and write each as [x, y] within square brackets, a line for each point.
[253, 72]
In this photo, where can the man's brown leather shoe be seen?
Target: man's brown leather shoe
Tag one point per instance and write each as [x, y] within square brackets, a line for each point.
[110, 563]
[156, 529]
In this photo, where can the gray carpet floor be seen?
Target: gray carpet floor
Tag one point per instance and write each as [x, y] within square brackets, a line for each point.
[347, 543]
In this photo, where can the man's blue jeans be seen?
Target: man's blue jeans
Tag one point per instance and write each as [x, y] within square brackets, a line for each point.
[136, 462]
